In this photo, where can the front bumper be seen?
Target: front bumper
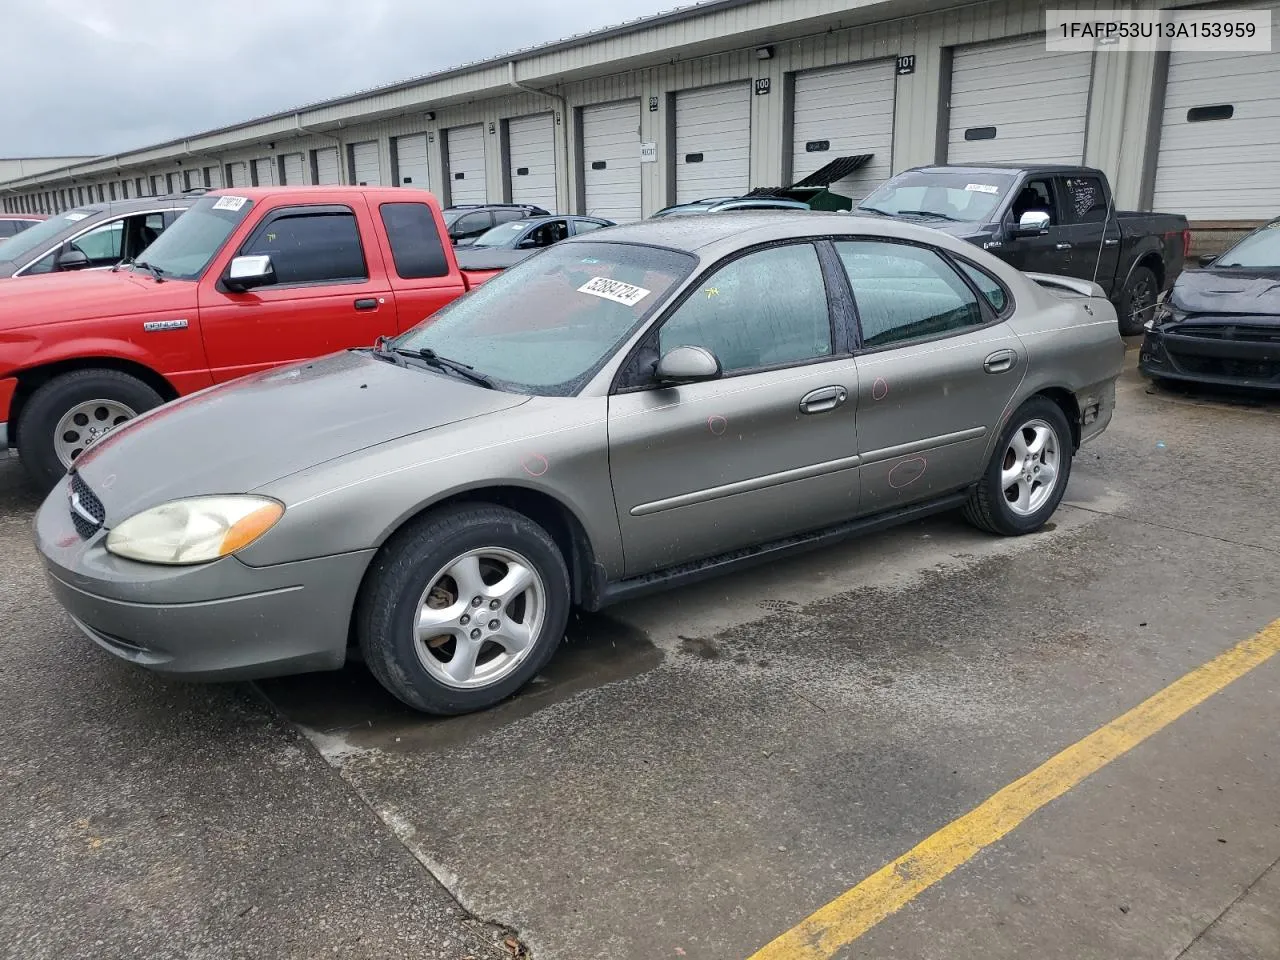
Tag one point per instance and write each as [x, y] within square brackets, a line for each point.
[1220, 356]
[218, 621]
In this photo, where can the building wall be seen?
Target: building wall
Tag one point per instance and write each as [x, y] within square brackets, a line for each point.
[1119, 137]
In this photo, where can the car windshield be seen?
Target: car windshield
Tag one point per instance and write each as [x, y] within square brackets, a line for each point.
[37, 238]
[969, 196]
[546, 325]
[503, 235]
[184, 250]
[1257, 251]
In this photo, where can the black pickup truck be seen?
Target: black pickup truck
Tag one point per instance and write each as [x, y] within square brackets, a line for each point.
[1048, 218]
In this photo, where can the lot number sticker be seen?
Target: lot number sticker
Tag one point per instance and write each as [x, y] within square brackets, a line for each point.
[981, 188]
[230, 203]
[615, 290]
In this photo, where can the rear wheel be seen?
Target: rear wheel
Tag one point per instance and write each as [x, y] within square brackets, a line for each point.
[69, 414]
[1027, 476]
[1138, 301]
[463, 608]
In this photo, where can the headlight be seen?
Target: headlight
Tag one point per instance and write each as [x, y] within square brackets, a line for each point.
[194, 531]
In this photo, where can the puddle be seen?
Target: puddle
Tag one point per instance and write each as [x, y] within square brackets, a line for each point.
[350, 707]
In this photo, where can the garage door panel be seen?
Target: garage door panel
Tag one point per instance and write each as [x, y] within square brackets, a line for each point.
[1221, 169]
[327, 169]
[412, 169]
[239, 171]
[467, 180]
[713, 129]
[611, 160]
[851, 108]
[1037, 102]
[532, 157]
[294, 169]
[365, 168]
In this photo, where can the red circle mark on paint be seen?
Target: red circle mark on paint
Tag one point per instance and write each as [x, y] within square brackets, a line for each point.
[907, 472]
[536, 465]
[717, 424]
[879, 389]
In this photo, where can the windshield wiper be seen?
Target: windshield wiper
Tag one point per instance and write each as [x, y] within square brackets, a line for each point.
[150, 268]
[883, 213]
[930, 213]
[433, 359]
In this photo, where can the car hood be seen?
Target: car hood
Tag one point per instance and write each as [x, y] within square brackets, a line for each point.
[60, 297]
[1227, 292]
[239, 436]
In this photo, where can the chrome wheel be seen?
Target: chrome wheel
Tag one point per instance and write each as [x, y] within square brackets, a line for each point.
[1029, 472]
[479, 617]
[85, 424]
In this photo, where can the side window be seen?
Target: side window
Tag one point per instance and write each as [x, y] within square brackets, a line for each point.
[1084, 200]
[585, 226]
[549, 233]
[473, 224]
[8, 228]
[1035, 195]
[506, 216]
[905, 292]
[103, 244]
[762, 310]
[311, 247]
[415, 240]
[988, 285]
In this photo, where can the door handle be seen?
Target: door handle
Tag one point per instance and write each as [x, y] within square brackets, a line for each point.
[1062, 246]
[367, 303]
[1000, 361]
[1110, 241]
[823, 399]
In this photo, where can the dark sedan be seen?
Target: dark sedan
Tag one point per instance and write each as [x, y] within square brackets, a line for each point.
[509, 243]
[1221, 324]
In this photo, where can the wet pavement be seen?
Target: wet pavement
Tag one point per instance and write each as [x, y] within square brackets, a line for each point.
[698, 771]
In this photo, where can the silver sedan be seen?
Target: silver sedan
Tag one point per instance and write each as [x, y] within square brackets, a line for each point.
[626, 411]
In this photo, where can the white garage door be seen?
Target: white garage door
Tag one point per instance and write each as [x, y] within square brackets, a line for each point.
[611, 160]
[238, 173]
[1219, 156]
[295, 170]
[192, 179]
[713, 142]
[411, 161]
[264, 172]
[1012, 102]
[326, 160]
[532, 145]
[364, 164]
[845, 112]
[213, 177]
[466, 165]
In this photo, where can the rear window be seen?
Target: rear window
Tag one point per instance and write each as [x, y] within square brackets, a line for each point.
[415, 240]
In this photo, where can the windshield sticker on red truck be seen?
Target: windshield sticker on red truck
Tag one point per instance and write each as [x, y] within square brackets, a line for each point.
[625, 293]
[981, 188]
[230, 203]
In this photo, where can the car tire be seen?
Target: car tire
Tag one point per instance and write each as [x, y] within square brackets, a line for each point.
[64, 416]
[1137, 301]
[1011, 498]
[425, 573]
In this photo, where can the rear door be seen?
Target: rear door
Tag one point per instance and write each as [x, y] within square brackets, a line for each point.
[422, 276]
[937, 368]
[1093, 237]
[766, 451]
[331, 290]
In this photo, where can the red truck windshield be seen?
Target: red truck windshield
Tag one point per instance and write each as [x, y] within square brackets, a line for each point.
[184, 250]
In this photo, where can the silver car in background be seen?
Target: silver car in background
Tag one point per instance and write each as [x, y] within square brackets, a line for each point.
[672, 399]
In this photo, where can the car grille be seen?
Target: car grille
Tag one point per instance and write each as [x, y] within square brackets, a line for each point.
[1224, 367]
[1235, 331]
[87, 512]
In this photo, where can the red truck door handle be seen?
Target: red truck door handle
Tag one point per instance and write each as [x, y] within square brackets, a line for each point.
[367, 303]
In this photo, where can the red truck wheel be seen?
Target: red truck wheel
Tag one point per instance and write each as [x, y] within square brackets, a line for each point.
[70, 413]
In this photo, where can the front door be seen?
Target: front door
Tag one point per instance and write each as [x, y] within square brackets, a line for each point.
[937, 369]
[767, 450]
[330, 293]
[1048, 252]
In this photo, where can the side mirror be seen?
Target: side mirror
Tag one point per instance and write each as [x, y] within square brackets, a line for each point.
[528, 243]
[1032, 224]
[687, 365]
[245, 273]
[72, 259]
[1207, 259]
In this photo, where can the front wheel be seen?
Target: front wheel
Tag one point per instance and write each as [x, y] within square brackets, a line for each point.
[1027, 476]
[463, 608]
[1138, 301]
[69, 414]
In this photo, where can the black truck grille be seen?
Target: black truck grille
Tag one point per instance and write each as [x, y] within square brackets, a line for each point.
[87, 512]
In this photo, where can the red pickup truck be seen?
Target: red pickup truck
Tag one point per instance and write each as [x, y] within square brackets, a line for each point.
[245, 279]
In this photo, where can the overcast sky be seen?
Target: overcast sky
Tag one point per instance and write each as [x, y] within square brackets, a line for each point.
[100, 76]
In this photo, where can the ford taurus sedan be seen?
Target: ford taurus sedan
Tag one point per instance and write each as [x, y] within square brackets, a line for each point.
[618, 413]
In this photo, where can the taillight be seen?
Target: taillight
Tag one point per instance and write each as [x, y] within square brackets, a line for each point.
[1186, 244]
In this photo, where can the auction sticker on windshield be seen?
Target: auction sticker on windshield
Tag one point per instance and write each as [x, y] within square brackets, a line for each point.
[230, 203]
[615, 290]
[981, 188]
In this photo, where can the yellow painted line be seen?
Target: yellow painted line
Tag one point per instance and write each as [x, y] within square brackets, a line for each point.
[895, 885]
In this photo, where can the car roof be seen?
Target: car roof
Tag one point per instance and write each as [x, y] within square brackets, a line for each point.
[1005, 168]
[134, 204]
